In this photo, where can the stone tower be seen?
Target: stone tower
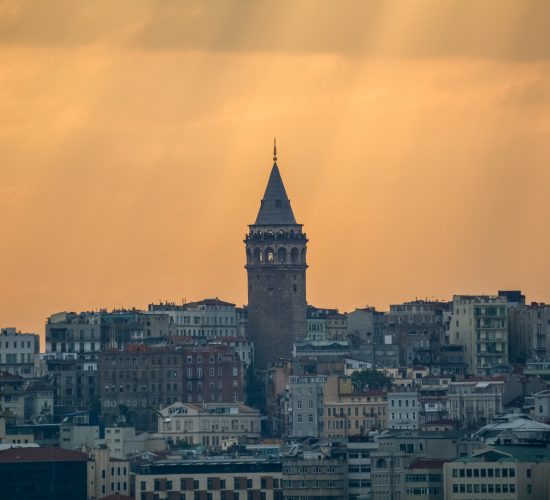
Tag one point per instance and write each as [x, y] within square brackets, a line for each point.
[276, 267]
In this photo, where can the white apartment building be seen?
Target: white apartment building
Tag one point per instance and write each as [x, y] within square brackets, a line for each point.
[210, 424]
[208, 318]
[306, 405]
[403, 410]
[476, 401]
[19, 352]
[480, 324]
[124, 441]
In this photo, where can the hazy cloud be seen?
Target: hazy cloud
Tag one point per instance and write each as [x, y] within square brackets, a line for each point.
[500, 29]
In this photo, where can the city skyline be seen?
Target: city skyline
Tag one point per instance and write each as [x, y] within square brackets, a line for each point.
[416, 162]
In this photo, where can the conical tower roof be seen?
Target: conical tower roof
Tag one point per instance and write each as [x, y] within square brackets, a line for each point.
[275, 208]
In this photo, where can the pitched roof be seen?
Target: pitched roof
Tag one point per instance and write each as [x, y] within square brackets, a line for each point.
[212, 302]
[45, 454]
[275, 208]
[511, 453]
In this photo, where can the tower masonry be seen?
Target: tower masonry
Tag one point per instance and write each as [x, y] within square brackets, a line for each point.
[276, 265]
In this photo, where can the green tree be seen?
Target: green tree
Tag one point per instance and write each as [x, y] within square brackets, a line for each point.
[370, 379]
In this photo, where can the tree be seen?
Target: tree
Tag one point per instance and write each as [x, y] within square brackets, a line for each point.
[370, 379]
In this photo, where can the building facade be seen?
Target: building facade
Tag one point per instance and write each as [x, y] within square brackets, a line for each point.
[306, 402]
[226, 479]
[210, 424]
[276, 266]
[480, 324]
[403, 410]
[19, 352]
[143, 377]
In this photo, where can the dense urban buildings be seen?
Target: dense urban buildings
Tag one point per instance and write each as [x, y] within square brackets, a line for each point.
[280, 399]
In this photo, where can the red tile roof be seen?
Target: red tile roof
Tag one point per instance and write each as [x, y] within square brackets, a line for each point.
[45, 454]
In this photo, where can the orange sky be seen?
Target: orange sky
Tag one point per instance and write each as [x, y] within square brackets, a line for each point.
[135, 141]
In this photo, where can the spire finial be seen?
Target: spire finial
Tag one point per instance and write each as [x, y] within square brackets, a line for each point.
[275, 149]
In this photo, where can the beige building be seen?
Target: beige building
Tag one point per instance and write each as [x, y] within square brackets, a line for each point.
[480, 324]
[209, 424]
[225, 479]
[499, 472]
[124, 441]
[354, 415]
[476, 401]
[73, 437]
[107, 475]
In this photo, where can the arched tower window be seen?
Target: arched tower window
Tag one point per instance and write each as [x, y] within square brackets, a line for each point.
[303, 256]
[294, 255]
[248, 256]
[281, 255]
[257, 255]
[269, 255]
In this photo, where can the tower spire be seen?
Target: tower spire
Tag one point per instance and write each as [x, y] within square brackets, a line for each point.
[275, 149]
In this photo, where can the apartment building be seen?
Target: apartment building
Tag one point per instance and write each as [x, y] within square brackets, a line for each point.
[305, 405]
[144, 377]
[209, 424]
[107, 475]
[19, 353]
[217, 479]
[208, 318]
[424, 479]
[529, 332]
[499, 472]
[403, 410]
[477, 400]
[355, 415]
[480, 324]
[314, 477]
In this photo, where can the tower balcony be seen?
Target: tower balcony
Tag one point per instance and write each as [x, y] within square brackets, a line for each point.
[281, 235]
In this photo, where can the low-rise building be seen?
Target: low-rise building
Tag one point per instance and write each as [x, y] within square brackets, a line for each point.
[43, 474]
[19, 352]
[73, 437]
[107, 475]
[403, 410]
[398, 449]
[355, 415]
[499, 472]
[314, 477]
[208, 318]
[424, 479]
[210, 424]
[477, 400]
[218, 479]
[124, 441]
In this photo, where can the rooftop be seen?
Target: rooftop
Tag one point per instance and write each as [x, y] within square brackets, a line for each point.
[46, 454]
